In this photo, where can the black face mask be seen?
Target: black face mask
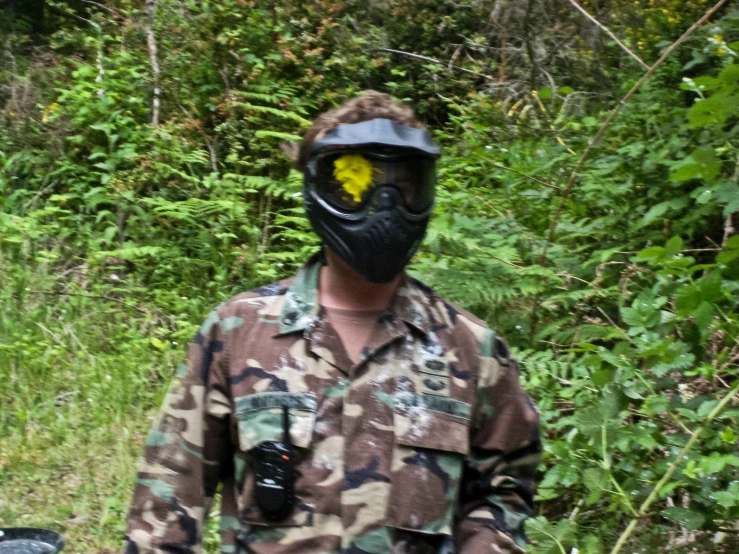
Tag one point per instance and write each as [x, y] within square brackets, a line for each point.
[369, 190]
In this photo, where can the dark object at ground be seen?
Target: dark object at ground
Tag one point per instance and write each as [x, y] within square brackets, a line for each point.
[28, 540]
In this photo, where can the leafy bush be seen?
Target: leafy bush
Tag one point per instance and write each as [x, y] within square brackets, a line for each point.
[620, 299]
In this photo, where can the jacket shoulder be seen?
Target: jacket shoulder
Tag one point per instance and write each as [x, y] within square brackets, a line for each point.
[457, 318]
[255, 300]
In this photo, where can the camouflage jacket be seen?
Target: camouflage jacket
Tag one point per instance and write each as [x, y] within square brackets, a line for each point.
[428, 437]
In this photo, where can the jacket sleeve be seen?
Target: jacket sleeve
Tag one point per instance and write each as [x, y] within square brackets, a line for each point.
[186, 452]
[505, 448]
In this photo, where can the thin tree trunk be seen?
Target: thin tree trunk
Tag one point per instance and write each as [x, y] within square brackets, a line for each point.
[265, 231]
[152, 42]
[504, 40]
[729, 228]
[528, 38]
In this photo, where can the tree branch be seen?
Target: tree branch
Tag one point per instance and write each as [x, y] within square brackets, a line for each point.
[432, 60]
[114, 12]
[609, 33]
[551, 186]
[98, 296]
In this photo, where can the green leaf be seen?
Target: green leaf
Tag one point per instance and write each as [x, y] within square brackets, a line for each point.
[656, 405]
[690, 518]
[551, 539]
[687, 171]
[158, 344]
[595, 478]
[545, 93]
[727, 256]
[730, 497]
[631, 317]
[715, 110]
[710, 164]
[728, 194]
[604, 416]
[706, 407]
[667, 489]
[591, 545]
[651, 252]
[277, 135]
[565, 90]
[710, 287]
[702, 163]
[705, 83]
[728, 436]
[676, 357]
[658, 210]
[732, 243]
[602, 377]
[687, 298]
[673, 247]
[703, 315]
[729, 75]
[561, 475]
[704, 197]
[716, 462]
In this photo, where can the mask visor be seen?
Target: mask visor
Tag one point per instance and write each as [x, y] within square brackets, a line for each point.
[346, 180]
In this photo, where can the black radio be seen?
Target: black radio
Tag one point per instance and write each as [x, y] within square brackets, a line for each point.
[274, 475]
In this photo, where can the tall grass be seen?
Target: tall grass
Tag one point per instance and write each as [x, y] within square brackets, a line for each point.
[80, 379]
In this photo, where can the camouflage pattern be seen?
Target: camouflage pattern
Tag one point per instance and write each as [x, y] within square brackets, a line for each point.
[427, 443]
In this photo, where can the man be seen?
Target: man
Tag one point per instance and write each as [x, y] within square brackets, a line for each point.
[349, 408]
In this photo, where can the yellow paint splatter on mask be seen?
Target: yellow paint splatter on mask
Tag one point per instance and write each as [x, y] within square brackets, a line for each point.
[354, 173]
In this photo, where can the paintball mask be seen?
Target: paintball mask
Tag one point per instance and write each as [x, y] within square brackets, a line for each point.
[369, 190]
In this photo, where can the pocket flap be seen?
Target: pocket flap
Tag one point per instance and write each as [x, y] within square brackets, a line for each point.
[260, 418]
[434, 422]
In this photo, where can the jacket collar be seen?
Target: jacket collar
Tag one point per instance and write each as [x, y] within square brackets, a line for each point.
[300, 311]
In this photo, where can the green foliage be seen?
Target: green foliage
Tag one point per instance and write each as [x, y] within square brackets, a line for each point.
[117, 236]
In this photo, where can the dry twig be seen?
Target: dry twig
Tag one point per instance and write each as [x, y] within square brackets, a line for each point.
[609, 33]
[550, 185]
[432, 60]
[99, 5]
[101, 297]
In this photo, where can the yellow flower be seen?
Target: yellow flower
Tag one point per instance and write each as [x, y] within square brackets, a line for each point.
[48, 110]
[355, 175]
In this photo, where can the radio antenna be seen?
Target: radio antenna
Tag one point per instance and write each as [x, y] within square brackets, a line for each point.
[286, 426]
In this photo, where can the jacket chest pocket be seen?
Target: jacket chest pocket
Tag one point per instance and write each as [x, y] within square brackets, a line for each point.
[260, 420]
[431, 442]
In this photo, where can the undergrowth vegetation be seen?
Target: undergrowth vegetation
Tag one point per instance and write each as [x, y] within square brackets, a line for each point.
[144, 178]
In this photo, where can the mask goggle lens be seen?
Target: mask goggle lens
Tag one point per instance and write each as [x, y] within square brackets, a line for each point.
[346, 180]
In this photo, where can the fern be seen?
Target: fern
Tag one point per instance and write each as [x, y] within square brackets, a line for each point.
[282, 114]
[130, 252]
[195, 210]
[288, 189]
[269, 98]
[277, 135]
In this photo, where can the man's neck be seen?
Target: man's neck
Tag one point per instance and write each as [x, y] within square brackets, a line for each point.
[341, 287]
